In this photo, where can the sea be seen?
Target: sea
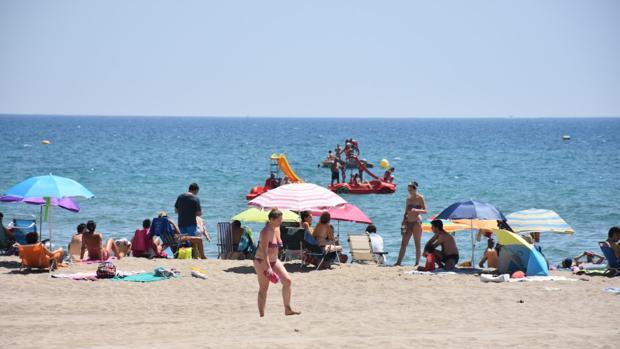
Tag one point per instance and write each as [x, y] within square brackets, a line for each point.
[137, 166]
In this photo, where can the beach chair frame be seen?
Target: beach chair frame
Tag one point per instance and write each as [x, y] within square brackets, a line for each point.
[224, 238]
[361, 248]
[46, 262]
[608, 252]
[22, 225]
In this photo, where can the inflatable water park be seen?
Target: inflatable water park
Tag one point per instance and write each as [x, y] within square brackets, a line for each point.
[279, 163]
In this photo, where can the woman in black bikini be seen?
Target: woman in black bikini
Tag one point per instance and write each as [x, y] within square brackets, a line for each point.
[266, 264]
[415, 206]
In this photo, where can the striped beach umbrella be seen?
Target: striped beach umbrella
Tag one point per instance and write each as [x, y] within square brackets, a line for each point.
[298, 197]
[538, 220]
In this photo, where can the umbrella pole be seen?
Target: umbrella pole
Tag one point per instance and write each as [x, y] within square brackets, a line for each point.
[49, 226]
[471, 224]
[41, 223]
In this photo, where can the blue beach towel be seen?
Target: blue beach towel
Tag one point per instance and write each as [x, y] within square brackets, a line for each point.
[143, 277]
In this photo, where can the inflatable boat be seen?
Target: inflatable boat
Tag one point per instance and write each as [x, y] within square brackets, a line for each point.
[375, 186]
[279, 162]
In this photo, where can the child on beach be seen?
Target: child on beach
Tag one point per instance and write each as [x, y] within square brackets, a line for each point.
[490, 256]
[429, 254]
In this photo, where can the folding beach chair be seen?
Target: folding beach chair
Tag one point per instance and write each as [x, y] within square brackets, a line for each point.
[224, 236]
[160, 226]
[361, 249]
[34, 256]
[313, 252]
[23, 225]
[293, 243]
[608, 252]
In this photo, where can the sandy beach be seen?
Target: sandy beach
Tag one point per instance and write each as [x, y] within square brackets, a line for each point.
[351, 306]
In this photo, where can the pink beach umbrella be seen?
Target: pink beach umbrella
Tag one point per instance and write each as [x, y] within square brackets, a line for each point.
[298, 197]
[347, 213]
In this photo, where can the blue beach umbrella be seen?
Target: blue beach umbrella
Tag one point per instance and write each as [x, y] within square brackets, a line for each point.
[49, 187]
[472, 210]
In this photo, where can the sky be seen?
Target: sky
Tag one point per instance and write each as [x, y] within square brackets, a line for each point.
[355, 58]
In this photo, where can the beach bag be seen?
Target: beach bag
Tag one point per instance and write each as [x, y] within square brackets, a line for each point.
[185, 253]
[106, 270]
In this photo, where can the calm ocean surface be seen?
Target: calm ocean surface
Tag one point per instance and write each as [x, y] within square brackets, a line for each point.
[137, 166]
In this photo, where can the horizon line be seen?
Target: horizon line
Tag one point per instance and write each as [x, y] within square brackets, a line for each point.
[317, 116]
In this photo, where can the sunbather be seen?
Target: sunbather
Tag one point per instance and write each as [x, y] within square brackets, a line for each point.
[267, 264]
[57, 255]
[490, 256]
[306, 221]
[92, 241]
[75, 246]
[590, 258]
[448, 257]
[376, 244]
[613, 238]
[324, 234]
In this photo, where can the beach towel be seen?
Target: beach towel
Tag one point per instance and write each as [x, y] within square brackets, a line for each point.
[96, 261]
[614, 290]
[143, 277]
[92, 276]
[436, 272]
[542, 278]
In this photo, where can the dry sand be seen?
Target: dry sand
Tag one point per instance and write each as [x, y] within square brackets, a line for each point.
[351, 306]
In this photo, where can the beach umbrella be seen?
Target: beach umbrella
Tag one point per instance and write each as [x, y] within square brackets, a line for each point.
[448, 226]
[49, 187]
[517, 254]
[256, 215]
[298, 197]
[66, 203]
[473, 211]
[538, 220]
[347, 212]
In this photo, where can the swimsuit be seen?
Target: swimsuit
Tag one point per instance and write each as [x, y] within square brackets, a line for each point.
[411, 224]
[271, 244]
[446, 258]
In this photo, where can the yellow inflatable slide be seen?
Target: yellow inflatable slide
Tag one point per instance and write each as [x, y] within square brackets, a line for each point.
[285, 167]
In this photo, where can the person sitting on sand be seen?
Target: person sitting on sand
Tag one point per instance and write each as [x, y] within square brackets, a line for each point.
[613, 237]
[490, 256]
[75, 246]
[33, 239]
[237, 233]
[376, 244]
[429, 255]
[306, 221]
[589, 258]
[6, 235]
[271, 182]
[324, 234]
[448, 257]
[92, 242]
[144, 244]
[388, 175]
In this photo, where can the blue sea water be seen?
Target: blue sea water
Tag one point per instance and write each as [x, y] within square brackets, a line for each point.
[137, 166]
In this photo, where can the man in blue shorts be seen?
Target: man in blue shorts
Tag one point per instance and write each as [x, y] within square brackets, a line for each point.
[188, 207]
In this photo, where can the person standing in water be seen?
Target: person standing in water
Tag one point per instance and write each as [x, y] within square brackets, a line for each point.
[267, 264]
[415, 207]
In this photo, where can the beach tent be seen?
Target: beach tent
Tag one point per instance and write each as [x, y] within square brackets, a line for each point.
[516, 254]
[538, 220]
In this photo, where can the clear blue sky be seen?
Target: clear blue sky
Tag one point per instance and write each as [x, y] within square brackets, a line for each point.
[311, 58]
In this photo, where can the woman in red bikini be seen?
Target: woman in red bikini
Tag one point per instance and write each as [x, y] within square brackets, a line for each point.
[266, 264]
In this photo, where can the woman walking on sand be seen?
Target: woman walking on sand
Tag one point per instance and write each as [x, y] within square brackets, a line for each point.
[415, 207]
[268, 267]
